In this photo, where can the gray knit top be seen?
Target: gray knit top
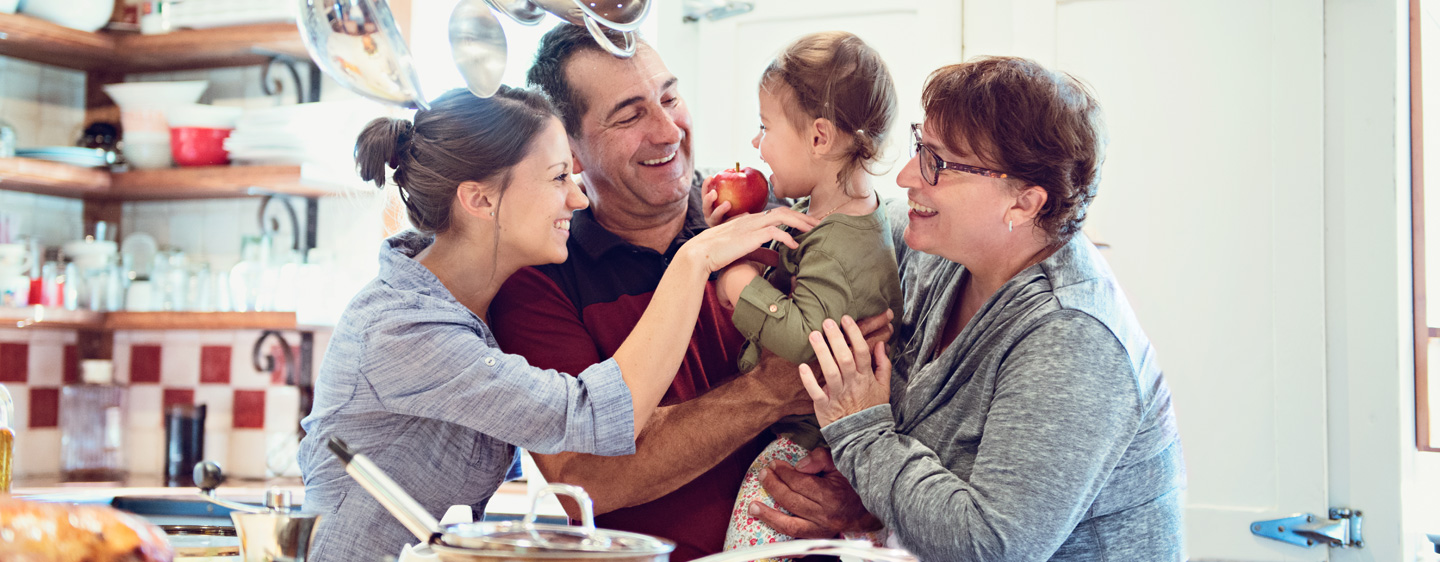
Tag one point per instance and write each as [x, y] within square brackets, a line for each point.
[1044, 431]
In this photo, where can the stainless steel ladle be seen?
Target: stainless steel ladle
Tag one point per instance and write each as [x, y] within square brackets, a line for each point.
[477, 43]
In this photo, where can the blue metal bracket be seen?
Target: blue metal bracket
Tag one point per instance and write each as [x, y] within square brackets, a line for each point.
[1341, 530]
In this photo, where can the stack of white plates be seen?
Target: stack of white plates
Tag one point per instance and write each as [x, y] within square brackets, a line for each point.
[73, 155]
[320, 133]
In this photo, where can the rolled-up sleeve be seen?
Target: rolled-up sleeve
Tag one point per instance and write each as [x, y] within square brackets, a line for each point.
[782, 323]
[444, 370]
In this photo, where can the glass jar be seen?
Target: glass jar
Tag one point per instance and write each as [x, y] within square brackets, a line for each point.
[7, 440]
[7, 140]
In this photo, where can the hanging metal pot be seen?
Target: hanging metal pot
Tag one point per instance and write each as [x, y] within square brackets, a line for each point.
[620, 15]
[357, 43]
[528, 540]
[522, 11]
[571, 11]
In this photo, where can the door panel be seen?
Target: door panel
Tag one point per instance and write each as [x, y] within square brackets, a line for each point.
[1213, 200]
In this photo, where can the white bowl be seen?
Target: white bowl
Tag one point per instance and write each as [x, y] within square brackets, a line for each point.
[9, 6]
[155, 95]
[208, 116]
[90, 254]
[84, 15]
[147, 154]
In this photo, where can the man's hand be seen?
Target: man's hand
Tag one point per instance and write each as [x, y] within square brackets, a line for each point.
[820, 499]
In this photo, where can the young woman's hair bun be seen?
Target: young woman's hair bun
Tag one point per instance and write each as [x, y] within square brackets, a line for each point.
[381, 144]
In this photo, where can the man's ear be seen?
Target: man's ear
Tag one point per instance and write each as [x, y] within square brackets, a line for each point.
[822, 136]
[575, 166]
[477, 199]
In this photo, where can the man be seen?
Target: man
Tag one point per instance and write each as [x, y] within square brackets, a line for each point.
[630, 135]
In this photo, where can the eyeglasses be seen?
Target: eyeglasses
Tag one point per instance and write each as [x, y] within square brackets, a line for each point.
[931, 164]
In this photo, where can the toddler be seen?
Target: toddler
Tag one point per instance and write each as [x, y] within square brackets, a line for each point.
[826, 104]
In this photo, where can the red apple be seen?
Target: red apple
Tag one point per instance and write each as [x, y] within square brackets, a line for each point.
[745, 189]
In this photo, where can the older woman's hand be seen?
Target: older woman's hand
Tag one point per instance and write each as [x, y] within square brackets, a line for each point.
[851, 384]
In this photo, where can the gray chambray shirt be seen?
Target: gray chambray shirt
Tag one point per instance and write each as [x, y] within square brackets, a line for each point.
[415, 381]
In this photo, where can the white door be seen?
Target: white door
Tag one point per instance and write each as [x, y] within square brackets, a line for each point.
[1213, 202]
[913, 36]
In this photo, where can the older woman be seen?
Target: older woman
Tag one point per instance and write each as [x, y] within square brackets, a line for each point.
[1026, 417]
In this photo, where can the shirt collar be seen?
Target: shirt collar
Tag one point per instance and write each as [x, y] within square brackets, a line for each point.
[398, 267]
[596, 241]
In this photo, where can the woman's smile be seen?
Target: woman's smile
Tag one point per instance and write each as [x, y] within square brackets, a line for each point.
[918, 210]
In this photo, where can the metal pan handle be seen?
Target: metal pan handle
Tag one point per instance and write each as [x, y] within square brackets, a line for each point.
[599, 34]
[587, 516]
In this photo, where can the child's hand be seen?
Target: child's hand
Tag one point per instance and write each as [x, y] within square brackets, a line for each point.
[713, 215]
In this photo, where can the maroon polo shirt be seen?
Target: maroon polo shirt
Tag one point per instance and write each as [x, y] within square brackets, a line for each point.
[572, 315]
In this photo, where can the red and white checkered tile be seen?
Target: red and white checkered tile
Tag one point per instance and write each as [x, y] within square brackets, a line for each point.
[251, 416]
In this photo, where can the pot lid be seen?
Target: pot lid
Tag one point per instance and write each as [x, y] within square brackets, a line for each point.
[544, 540]
[538, 539]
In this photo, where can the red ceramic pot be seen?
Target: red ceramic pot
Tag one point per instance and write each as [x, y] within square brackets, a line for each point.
[199, 146]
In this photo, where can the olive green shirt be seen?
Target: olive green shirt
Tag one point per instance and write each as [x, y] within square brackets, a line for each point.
[845, 265]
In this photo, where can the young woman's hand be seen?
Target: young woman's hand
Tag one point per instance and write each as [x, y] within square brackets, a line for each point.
[718, 246]
[852, 382]
[713, 215]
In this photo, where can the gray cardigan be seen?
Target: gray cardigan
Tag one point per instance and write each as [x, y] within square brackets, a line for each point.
[1043, 432]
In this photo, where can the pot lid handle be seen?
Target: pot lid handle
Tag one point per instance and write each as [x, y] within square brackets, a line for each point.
[587, 516]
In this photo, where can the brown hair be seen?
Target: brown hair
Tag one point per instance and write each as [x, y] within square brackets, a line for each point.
[1043, 127]
[460, 138]
[547, 72]
[833, 75]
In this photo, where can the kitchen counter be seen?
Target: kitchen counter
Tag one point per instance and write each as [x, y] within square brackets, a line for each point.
[510, 501]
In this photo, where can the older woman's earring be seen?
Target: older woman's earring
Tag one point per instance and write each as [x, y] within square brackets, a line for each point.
[1012, 224]
[492, 213]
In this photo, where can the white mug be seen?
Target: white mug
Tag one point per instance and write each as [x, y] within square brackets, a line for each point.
[14, 256]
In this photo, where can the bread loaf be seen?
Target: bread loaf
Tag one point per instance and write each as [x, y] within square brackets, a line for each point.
[52, 532]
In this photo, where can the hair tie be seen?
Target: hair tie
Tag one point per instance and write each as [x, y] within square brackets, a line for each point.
[402, 140]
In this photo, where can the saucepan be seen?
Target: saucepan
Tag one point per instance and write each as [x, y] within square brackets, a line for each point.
[527, 540]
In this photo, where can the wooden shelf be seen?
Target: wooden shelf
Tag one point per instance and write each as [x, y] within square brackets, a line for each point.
[51, 178]
[51, 317]
[199, 321]
[211, 182]
[205, 182]
[40, 41]
[187, 49]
